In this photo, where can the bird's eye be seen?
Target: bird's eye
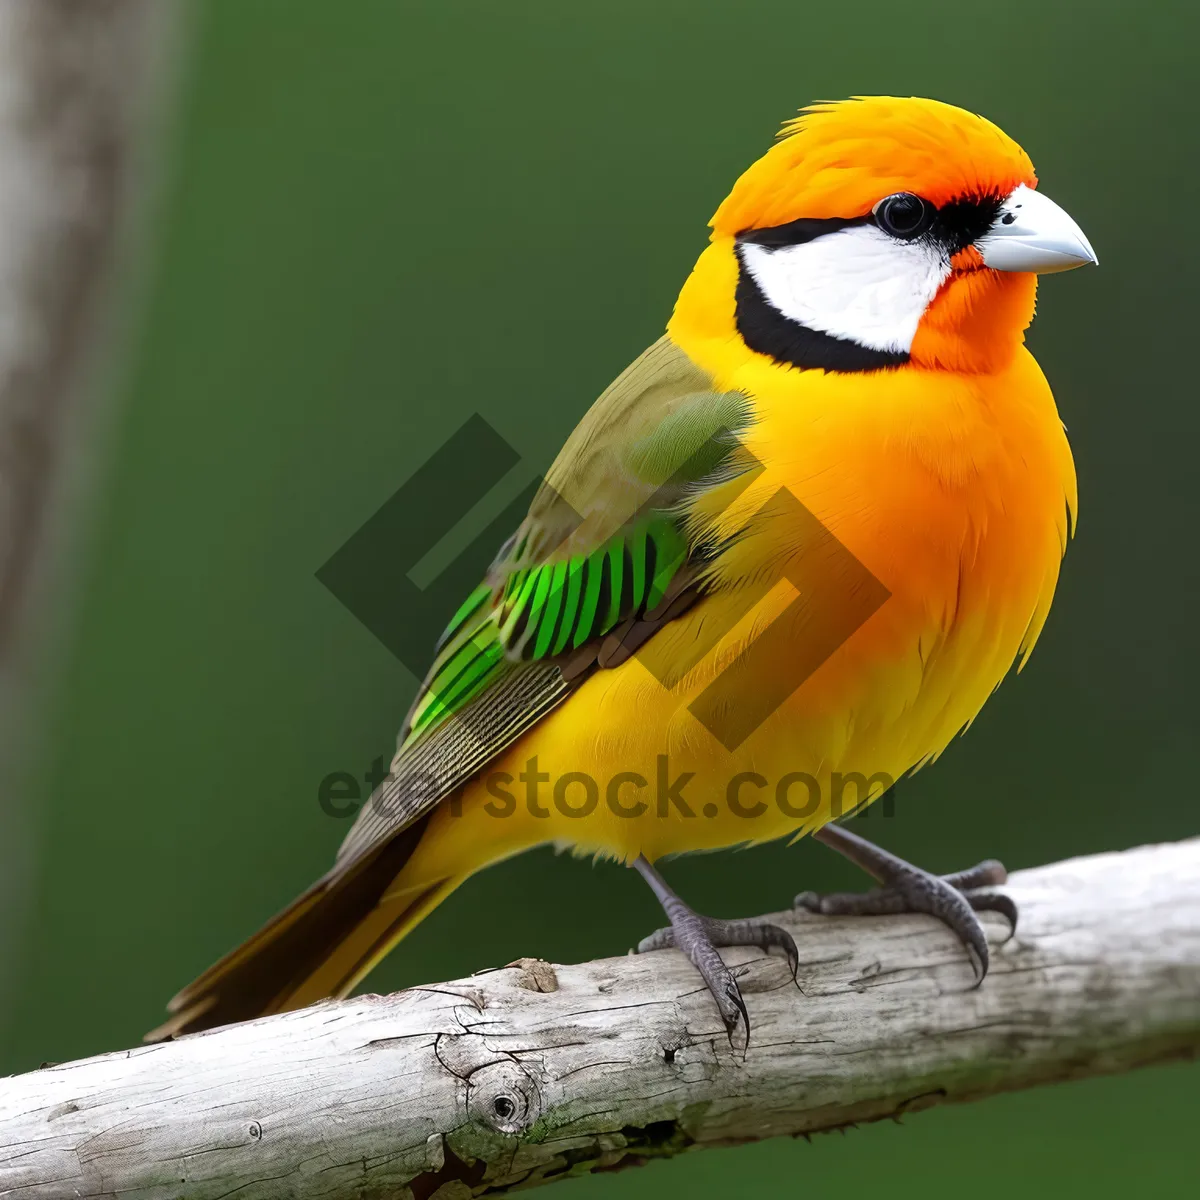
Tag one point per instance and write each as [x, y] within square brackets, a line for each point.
[903, 215]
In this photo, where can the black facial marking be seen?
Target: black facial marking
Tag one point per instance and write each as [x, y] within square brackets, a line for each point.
[962, 222]
[767, 331]
[795, 233]
[951, 228]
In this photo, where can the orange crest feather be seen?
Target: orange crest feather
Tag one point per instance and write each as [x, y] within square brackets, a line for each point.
[839, 159]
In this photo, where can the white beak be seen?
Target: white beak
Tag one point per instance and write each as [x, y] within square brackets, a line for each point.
[1031, 233]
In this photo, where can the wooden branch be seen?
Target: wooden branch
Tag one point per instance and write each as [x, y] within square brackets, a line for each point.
[532, 1072]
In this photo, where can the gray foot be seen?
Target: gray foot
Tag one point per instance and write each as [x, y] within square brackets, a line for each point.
[698, 937]
[953, 899]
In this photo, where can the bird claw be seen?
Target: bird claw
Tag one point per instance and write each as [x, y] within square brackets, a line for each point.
[953, 899]
[739, 932]
[699, 937]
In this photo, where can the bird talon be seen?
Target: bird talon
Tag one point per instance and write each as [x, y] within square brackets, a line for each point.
[699, 937]
[953, 899]
[985, 900]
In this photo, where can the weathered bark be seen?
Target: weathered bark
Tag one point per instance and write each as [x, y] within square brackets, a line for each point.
[75, 80]
[533, 1072]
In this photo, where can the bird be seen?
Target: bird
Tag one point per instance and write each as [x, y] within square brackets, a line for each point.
[789, 552]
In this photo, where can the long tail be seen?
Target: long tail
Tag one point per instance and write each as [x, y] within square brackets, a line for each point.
[321, 945]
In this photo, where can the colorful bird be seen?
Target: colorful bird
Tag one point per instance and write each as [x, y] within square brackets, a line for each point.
[793, 547]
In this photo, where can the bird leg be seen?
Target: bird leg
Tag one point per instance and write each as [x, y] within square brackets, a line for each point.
[698, 937]
[953, 899]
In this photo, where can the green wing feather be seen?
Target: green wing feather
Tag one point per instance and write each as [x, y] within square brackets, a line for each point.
[606, 535]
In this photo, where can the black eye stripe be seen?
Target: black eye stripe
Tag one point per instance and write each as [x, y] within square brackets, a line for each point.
[962, 222]
[796, 233]
[955, 226]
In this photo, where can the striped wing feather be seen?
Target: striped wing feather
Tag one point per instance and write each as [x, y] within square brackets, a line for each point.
[604, 557]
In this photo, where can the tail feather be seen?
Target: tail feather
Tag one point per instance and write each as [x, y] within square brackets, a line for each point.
[368, 943]
[321, 945]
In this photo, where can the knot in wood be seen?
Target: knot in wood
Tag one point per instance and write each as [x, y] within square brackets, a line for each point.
[504, 1097]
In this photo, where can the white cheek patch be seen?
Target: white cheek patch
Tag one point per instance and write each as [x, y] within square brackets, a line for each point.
[857, 283]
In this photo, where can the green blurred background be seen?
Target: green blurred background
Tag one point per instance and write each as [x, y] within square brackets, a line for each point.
[381, 217]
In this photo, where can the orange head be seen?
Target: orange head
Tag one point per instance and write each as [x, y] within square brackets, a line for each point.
[879, 231]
